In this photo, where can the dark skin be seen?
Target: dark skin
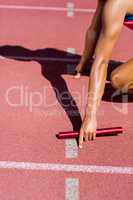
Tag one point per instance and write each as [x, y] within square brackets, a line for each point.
[100, 40]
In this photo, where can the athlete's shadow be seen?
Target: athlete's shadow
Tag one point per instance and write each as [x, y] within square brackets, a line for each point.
[54, 63]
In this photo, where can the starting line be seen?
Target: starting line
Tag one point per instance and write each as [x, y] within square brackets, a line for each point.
[66, 167]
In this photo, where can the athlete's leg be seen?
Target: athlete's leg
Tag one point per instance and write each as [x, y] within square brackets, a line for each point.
[122, 76]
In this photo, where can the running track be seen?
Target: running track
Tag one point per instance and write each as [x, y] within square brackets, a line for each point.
[36, 37]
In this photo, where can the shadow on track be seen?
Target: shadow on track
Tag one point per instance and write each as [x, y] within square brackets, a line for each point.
[53, 65]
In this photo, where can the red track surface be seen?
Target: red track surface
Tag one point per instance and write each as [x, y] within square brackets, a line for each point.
[29, 136]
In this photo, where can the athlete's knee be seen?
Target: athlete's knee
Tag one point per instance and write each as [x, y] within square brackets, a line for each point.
[116, 81]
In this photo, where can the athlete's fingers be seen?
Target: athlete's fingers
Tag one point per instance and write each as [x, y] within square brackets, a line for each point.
[90, 135]
[94, 136]
[81, 138]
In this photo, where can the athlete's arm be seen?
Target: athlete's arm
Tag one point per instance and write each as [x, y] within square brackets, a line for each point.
[92, 35]
[112, 23]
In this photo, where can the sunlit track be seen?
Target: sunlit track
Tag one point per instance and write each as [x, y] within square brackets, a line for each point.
[41, 44]
[45, 8]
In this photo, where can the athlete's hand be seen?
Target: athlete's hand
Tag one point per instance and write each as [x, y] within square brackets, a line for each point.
[88, 130]
[78, 70]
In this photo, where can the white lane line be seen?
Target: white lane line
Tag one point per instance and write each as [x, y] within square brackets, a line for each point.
[66, 167]
[45, 8]
[71, 50]
[71, 148]
[26, 58]
[72, 189]
[70, 9]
